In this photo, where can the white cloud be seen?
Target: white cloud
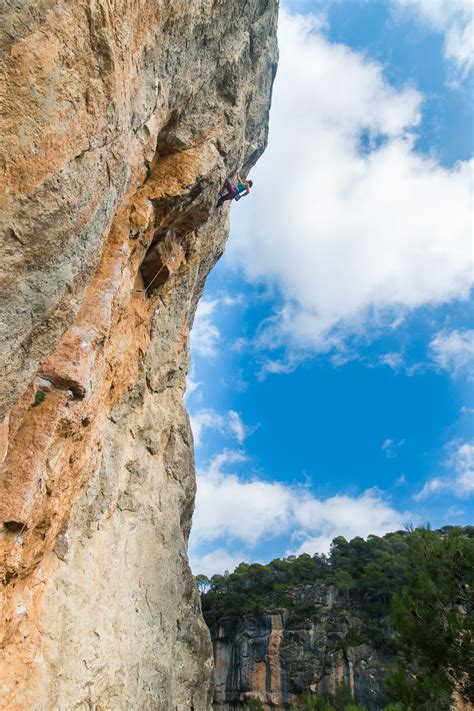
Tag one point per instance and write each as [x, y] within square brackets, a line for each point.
[387, 443]
[236, 426]
[236, 300]
[345, 516]
[454, 19]
[454, 512]
[397, 362]
[390, 447]
[393, 360]
[454, 351]
[460, 478]
[244, 512]
[229, 424]
[205, 336]
[192, 385]
[230, 508]
[346, 219]
[216, 561]
[205, 419]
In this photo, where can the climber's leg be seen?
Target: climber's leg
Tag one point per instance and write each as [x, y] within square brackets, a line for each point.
[228, 185]
[223, 198]
[230, 195]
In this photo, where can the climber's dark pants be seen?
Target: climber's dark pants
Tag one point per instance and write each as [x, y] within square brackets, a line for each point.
[231, 193]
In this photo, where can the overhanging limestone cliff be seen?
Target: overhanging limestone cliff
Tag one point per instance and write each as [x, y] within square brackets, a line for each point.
[123, 120]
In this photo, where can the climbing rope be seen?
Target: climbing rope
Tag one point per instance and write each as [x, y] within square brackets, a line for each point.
[155, 277]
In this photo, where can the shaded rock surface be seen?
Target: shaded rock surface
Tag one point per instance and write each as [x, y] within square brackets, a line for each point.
[274, 659]
[123, 119]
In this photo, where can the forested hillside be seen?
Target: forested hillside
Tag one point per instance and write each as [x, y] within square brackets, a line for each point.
[406, 597]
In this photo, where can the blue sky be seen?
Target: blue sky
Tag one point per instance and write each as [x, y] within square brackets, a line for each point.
[331, 390]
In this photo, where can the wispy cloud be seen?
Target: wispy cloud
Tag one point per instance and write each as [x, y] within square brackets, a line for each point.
[205, 335]
[397, 361]
[451, 18]
[390, 447]
[237, 427]
[205, 419]
[230, 424]
[453, 512]
[458, 478]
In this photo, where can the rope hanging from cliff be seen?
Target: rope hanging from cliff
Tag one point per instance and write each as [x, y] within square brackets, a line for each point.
[155, 277]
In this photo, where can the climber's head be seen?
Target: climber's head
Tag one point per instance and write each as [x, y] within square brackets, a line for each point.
[249, 183]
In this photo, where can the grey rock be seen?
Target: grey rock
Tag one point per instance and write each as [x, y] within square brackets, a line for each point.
[274, 659]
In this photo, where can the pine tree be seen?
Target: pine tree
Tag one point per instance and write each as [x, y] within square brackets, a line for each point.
[433, 616]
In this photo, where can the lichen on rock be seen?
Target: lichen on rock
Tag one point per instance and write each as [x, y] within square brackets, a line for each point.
[123, 120]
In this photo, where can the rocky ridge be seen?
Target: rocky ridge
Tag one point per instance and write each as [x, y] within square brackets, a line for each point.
[123, 119]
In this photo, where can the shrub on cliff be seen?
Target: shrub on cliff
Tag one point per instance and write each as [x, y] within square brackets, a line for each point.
[253, 704]
[343, 697]
[311, 702]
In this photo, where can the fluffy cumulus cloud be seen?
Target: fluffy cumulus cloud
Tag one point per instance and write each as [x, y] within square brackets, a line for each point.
[454, 351]
[230, 508]
[459, 477]
[321, 521]
[454, 19]
[241, 512]
[351, 224]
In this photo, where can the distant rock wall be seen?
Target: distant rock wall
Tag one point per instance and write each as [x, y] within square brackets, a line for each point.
[269, 658]
[122, 120]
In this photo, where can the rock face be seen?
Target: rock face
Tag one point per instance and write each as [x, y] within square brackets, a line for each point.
[273, 659]
[123, 119]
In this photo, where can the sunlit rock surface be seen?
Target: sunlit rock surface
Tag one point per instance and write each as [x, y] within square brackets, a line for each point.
[122, 121]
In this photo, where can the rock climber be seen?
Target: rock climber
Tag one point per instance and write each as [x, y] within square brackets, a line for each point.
[235, 192]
